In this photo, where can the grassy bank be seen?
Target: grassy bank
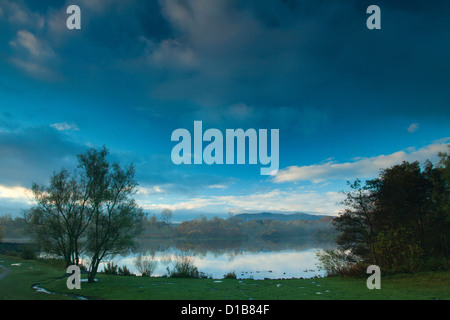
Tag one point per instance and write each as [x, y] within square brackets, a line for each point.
[23, 274]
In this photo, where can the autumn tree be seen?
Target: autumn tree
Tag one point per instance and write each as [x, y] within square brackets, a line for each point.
[400, 220]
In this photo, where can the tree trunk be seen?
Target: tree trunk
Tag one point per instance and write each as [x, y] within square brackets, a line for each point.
[93, 272]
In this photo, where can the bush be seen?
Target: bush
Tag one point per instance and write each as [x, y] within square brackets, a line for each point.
[340, 263]
[434, 264]
[28, 254]
[398, 251]
[113, 269]
[110, 268]
[124, 271]
[184, 268]
[230, 275]
[11, 253]
[145, 265]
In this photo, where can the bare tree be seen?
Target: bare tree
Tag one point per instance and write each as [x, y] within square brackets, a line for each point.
[166, 216]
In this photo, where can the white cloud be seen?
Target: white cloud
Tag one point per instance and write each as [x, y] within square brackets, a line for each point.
[274, 200]
[284, 201]
[18, 194]
[413, 127]
[361, 168]
[34, 46]
[191, 204]
[217, 186]
[64, 126]
[33, 55]
[148, 191]
[19, 14]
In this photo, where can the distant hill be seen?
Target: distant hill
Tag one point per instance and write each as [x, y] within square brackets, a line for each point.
[280, 216]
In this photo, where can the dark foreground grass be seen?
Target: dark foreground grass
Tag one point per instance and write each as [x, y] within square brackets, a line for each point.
[17, 284]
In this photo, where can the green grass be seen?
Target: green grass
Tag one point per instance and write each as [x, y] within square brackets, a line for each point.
[18, 285]
[23, 274]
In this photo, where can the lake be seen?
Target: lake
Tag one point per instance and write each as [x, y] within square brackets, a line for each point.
[247, 259]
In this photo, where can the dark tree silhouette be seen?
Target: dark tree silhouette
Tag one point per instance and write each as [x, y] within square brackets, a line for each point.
[89, 212]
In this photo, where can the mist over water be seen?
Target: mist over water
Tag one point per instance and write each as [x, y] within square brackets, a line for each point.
[257, 260]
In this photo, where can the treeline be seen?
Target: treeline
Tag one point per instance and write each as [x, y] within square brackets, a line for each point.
[399, 221]
[12, 228]
[212, 228]
[235, 228]
[202, 228]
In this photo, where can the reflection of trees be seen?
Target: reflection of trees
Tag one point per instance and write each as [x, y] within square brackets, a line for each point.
[229, 248]
[233, 237]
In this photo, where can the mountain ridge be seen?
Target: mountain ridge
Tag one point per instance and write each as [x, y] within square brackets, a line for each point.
[279, 216]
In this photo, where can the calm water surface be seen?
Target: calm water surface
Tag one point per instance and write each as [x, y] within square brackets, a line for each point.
[257, 260]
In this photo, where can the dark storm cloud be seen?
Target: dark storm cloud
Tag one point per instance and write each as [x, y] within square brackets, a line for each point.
[275, 54]
[253, 63]
[264, 54]
[139, 69]
[33, 154]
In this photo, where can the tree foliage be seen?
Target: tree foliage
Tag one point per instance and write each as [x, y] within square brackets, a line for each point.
[60, 216]
[234, 228]
[13, 228]
[400, 220]
[90, 211]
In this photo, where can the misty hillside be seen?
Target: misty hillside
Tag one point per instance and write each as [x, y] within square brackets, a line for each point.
[280, 216]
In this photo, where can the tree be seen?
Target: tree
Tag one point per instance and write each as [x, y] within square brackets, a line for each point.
[400, 220]
[166, 216]
[441, 201]
[116, 218]
[88, 212]
[13, 228]
[356, 222]
[60, 216]
[412, 200]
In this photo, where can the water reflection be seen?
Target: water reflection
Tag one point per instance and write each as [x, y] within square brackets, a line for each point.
[247, 259]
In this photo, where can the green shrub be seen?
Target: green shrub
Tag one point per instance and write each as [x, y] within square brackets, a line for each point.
[184, 268]
[230, 275]
[340, 263]
[110, 268]
[124, 271]
[434, 264]
[28, 254]
[11, 253]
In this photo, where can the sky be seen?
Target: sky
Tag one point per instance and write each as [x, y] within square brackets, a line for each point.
[347, 100]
